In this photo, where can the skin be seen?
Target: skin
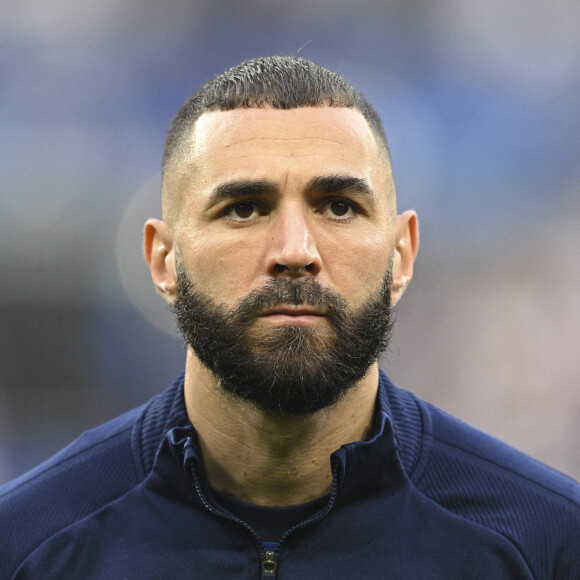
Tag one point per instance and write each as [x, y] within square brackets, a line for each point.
[292, 228]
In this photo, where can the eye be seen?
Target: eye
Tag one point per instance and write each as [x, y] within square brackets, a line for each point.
[242, 210]
[339, 209]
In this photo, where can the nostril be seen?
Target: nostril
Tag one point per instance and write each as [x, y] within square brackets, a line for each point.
[283, 268]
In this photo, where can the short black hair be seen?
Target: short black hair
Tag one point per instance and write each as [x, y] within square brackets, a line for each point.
[280, 82]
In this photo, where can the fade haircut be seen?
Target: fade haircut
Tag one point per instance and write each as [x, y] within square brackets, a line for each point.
[280, 82]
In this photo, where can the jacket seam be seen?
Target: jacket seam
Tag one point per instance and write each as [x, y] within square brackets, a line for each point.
[507, 470]
[61, 463]
[426, 444]
[470, 521]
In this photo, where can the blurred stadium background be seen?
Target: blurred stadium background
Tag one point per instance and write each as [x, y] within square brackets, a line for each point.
[481, 104]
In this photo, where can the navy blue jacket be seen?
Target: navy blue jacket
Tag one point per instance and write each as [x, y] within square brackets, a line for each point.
[427, 497]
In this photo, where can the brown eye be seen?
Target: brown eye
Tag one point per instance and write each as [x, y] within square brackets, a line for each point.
[339, 208]
[244, 210]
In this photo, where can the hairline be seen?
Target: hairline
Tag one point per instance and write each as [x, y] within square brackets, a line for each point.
[173, 164]
[187, 131]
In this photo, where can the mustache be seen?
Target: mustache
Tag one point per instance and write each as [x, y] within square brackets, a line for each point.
[275, 292]
[306, 291]
[278, 291]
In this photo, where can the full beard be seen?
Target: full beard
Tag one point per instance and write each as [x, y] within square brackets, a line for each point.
[290, 369]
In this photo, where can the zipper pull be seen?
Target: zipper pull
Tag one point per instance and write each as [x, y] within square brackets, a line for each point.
[269, 563]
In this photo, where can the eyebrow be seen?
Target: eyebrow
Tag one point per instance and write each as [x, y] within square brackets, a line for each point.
[324, 184]
[241, 188]
[328, 184]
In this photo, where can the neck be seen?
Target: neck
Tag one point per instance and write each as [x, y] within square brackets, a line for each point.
[266, 458]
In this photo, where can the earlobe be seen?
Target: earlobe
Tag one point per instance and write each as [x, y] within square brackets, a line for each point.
[158, 252]
[406, 247]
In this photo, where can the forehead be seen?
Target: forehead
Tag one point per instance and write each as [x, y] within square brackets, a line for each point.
[329, 135]
[279, 145]
[270, 123]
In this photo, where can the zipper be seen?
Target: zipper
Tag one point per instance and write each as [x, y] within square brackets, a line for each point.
[322, 513]
[269, 558]
[269, 551]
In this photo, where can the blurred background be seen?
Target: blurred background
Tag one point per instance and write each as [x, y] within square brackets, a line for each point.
[481, 104]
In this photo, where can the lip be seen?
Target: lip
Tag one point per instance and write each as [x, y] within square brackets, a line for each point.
[290, 310]
[297, 315]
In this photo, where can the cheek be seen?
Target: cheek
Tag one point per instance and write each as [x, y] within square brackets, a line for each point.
[359, 267]
[222, 268]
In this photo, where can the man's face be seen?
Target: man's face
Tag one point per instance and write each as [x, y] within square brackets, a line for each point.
[285, 234]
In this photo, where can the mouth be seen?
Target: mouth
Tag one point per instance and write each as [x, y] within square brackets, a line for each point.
[302, 315]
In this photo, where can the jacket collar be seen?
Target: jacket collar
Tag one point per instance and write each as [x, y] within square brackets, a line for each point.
[165, 437]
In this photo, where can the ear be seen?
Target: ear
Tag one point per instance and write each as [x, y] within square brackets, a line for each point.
[158, 251]
[406, 247]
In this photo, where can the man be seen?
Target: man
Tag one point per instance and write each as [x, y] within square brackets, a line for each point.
[283, 451]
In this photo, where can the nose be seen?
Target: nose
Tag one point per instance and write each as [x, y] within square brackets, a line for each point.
[293, 250]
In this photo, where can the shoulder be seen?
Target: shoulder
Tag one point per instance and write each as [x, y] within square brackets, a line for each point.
[101, 466]
[479, 478]
[481, 460]
[93, 470]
